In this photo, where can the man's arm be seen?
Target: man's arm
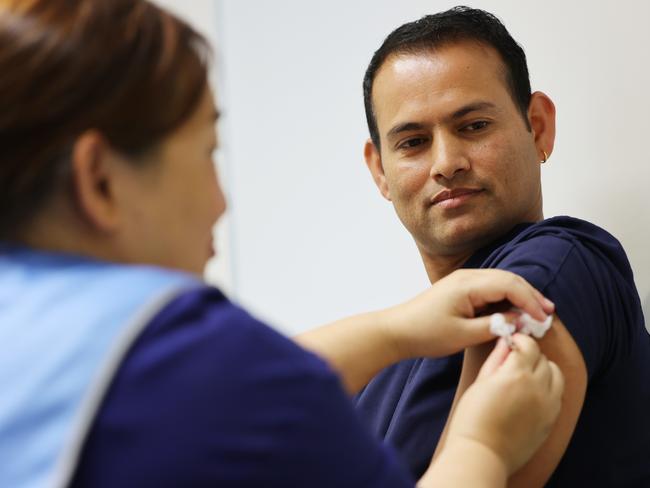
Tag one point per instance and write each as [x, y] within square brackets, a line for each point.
[502, 419]
[559, 347]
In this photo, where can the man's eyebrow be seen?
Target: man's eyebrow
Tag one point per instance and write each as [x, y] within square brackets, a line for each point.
[471, 107]
[407, 126]
[461, 112]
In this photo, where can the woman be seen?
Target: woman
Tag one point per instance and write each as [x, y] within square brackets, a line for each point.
[121, 367]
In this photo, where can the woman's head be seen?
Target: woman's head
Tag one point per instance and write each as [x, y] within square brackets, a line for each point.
[105, 105]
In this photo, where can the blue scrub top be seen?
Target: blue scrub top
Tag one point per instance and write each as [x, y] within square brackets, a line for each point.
[585, 271]
[209, 396]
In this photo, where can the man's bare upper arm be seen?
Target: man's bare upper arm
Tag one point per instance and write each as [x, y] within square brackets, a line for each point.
[559, 347]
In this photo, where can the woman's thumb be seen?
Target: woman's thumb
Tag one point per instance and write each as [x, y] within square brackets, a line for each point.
[479, 331]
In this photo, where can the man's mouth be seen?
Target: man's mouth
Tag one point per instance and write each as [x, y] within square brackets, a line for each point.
[454, 198]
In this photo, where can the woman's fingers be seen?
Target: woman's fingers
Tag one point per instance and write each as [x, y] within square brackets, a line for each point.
[495, 359]
[557, 382]
[526, 353]
[494, 285]
[548, 375]
[547, 305]
[522, 295]
[542, 371]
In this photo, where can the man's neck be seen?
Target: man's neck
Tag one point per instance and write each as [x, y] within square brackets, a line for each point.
[439, 266]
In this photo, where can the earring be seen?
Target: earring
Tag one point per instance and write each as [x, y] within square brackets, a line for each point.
[545, 157]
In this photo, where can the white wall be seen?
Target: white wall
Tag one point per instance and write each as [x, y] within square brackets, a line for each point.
[311, 239]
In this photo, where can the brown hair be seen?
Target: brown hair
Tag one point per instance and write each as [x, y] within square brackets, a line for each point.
[126, 68]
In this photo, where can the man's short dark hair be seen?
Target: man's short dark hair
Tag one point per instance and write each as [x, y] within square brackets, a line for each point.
[457, 24]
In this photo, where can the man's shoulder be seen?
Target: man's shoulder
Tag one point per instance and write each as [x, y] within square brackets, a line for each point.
[558, 243]
[585, 271]
[568, 229]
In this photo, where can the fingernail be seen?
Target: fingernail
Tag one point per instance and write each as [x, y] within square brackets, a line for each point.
[540, 314]
[549, 304]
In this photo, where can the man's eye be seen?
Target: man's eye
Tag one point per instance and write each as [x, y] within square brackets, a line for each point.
[475, 126]
[411, 143]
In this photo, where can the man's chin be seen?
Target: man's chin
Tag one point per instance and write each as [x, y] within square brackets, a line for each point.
[462, 240]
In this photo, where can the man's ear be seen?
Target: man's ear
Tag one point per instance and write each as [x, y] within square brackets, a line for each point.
[373, 161]
[541, 114]
[94, 182]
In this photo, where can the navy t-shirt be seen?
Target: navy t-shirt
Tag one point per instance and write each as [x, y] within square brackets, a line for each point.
[209, 396]
[585, 271]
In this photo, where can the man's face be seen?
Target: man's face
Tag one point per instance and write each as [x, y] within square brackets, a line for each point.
[457, 158]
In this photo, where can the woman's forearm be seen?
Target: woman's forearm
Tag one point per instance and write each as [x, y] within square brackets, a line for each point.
[466, 462]
[357, 347]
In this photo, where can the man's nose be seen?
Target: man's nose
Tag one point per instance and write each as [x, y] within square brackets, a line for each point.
[448, 157]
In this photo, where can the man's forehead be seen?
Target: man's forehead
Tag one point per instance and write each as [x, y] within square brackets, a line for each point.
[463, 56]
[408, 78]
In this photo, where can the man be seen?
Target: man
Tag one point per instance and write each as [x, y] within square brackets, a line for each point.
[456, 144]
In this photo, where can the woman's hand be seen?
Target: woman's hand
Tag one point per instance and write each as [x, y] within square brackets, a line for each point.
[513, 403]
[443, 320]
[438, 322]
[502, 419]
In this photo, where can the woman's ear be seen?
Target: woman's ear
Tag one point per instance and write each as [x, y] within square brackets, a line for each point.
[541, 114]
[94, 181]
[373, 161]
